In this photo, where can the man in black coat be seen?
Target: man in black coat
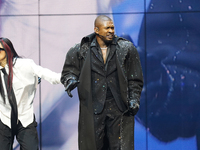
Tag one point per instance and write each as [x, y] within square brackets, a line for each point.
[108, 73]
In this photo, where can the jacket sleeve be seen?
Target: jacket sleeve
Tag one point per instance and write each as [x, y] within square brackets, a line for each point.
[44, 73]
[134, 74]
[71, 67]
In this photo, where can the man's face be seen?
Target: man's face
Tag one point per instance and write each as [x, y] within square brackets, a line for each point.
[107, 31]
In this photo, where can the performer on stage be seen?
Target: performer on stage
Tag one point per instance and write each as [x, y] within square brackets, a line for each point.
[18, 84]
[107, 70]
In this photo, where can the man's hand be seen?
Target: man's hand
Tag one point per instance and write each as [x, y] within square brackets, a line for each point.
[70, 85]
[133, 107]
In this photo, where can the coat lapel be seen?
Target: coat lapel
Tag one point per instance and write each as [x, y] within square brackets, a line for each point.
[121, 53]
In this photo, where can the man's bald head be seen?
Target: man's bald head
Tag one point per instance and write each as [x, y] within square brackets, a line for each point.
[104, 29]
[98, 21]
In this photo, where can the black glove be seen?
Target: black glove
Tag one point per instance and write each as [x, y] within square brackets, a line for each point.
[70, 85]
[39, 80]
[133, 107]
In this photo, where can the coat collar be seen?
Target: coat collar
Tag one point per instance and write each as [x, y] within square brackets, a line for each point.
[87, 41]
[89, 38]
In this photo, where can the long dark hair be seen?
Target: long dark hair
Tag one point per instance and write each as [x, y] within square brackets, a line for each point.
[10, 55]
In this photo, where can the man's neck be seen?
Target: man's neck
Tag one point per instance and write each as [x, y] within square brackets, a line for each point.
[102, 44]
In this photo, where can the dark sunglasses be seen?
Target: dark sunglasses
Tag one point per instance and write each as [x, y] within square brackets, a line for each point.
[1, 49]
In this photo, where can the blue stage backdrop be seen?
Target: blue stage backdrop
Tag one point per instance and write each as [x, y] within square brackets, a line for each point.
[166, 34]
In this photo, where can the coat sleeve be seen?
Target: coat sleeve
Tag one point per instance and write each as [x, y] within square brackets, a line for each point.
[134, 74]
[71, 67]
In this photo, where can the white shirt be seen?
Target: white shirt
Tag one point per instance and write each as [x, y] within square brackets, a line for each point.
[25, 81]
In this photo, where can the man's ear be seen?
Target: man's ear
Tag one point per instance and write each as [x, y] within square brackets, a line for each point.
[96, 30]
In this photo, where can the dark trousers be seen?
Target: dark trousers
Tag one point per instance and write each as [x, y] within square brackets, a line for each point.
[107, 127]
[27, 137]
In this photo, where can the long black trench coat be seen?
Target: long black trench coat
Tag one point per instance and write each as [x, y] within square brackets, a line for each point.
[77, 65]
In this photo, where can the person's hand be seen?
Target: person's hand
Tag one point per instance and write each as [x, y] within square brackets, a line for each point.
[70, 85]
[133, 107]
